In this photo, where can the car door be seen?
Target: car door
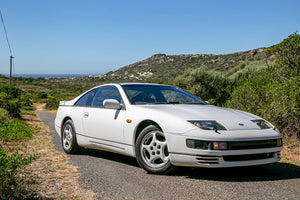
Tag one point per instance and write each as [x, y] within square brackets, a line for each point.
[102, 124]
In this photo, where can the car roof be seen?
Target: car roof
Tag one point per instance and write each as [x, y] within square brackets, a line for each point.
[137, 83]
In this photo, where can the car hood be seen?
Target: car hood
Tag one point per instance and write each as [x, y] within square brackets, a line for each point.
[231, 119]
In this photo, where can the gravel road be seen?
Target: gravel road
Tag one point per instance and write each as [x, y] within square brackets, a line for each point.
[114, 176]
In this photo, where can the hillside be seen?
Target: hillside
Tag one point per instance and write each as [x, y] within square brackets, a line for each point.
[164, 68]
[159, 68]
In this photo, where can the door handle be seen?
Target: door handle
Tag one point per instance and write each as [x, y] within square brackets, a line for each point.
[85, 114]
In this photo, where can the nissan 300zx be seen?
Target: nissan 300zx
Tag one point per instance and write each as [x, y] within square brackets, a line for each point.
[163, 126]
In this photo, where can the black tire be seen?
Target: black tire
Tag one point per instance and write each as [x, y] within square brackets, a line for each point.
[152, 152]
[68, 138]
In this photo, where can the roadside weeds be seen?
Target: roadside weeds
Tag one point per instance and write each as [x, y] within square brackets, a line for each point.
[291, 154]
[55, 176]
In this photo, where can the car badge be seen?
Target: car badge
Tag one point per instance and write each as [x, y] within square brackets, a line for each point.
[241, 124]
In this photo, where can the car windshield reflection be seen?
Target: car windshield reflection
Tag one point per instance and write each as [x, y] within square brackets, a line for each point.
[158, 94]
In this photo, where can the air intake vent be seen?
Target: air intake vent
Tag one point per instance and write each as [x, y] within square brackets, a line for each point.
[207, 159]
[248, 157]
[252, 144]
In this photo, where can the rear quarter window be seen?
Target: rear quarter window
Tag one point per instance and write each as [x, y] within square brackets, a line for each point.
[86, 99]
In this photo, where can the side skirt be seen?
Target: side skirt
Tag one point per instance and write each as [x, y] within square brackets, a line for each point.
[106, 145]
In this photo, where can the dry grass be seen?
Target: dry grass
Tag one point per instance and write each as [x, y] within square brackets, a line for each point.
[56, 178]
[41, 106]
[291, 152]
[33, 88]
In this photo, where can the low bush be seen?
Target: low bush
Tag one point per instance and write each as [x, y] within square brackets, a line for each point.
[42, 95]
[208, 85]
[10, 100]
[52, 103]
[14, 130]
[12, 184]
[272, 97]
[13, 181]
[245, 70]
[274, 94]
[3, 115]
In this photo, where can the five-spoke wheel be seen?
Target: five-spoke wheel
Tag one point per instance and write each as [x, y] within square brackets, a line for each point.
[152, 151]
[68, 138]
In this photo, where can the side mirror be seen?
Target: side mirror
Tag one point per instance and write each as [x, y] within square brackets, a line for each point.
[111, 104]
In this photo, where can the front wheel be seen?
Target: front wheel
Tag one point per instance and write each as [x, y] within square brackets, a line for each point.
[68, 138]
[152, 152]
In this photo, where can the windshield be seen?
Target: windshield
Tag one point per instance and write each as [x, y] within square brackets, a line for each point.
[158, 94]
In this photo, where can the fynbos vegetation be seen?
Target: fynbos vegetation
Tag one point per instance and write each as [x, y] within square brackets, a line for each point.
[13, 130]
[266, 88]
[275, 92]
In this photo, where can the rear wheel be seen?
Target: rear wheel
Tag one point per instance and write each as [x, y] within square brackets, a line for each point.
[152, 152]
[68, 138]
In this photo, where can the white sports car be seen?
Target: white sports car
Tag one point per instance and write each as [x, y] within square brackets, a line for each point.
[163, 126]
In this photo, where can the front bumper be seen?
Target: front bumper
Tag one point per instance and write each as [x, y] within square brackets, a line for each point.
[220, 161]
[181, 155]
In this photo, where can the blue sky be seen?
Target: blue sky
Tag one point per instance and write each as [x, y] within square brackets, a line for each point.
[98, 36]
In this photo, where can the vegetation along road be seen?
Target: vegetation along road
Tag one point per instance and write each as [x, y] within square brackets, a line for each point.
[113, 176]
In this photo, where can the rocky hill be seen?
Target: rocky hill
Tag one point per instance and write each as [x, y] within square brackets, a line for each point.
[164, 68]
[159, 68]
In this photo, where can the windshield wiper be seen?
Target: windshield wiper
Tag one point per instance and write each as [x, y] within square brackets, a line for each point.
[173, 102]
[170, 102]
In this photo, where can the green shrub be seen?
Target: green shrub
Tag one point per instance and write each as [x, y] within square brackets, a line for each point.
[26, 101]
[12, 184]
[275, 93]
[10, 100]
[15, 130]
[11, 91]
[42, 95]
[209, 85]
[287, 54]
[245, 70]
[272, 97]
[3, 115]
[52, 103]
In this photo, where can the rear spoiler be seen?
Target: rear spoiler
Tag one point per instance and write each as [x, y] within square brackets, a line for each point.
[62, 103]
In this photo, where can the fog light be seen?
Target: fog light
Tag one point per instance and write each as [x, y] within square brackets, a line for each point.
[219, 145]
[197, 144]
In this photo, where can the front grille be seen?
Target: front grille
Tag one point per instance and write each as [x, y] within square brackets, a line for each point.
[248, 157]
[258, 144]
[207, 159]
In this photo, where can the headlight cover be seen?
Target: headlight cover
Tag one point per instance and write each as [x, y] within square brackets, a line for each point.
[262, 124]
[207, 124]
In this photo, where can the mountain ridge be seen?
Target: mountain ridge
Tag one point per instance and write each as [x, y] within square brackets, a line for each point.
[164, 68]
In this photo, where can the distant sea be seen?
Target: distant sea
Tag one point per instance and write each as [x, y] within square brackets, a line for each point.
[51, 75]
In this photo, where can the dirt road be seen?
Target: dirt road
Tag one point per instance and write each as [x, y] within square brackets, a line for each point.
[114, 176]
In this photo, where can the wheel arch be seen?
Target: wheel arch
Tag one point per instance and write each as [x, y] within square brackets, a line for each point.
[63, 122]
[143, 125]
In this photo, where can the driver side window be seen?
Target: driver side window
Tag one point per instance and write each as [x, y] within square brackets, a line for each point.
[106, 92]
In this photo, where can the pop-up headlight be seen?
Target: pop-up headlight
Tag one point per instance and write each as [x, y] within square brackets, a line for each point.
[262, 124]
[207, 125]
